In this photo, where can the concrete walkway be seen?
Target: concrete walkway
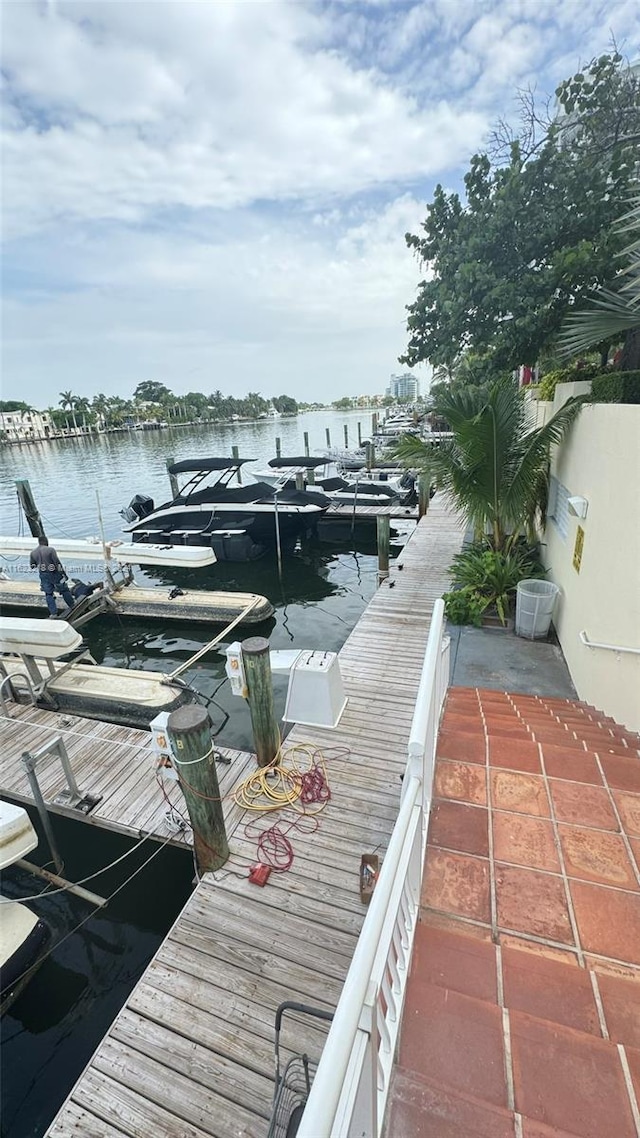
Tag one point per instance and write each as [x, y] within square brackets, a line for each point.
[496, 659]
[522, 1017]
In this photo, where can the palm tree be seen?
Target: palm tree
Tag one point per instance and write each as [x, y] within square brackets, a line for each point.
[494, 470]
[614, 313]
[68, 402]
[82, 405]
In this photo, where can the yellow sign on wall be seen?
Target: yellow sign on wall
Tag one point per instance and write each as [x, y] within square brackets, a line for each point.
[577, 549]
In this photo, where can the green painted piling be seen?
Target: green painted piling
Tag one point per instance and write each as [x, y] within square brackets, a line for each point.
[189, 730]
[257, 670]
[28, 503]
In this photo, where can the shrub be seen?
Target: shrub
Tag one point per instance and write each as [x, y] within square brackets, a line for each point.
[616, 387]
[493, 575]
[465, 606]
[574, 373]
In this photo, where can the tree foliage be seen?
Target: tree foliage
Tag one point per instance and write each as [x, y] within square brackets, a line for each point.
[494, 470]
[534, 236]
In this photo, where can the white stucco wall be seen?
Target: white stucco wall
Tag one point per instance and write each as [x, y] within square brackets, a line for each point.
[600, 461]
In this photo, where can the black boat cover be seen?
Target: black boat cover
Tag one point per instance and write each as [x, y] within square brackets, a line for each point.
[192, 465]
[303, 460]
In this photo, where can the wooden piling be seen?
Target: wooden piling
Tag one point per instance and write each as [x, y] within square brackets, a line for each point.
[300, 480]
[257, 670]
[370, 456]
[424, 488]
[28, 503]
[374, 422]
[359, 434]
[192, 746]
[278, 447]
[306, 443]
[311, 477]
[236, 454]
[383, 532]
[346, 436]
[173, 481]
[328, 436]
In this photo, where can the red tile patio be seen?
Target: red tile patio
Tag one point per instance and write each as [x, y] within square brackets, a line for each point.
[522, 1016]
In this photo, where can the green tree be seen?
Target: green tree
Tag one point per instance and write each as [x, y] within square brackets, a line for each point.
[614, 312]
[9, 405]
[535, 234]
[68, 403]
[285, 404]
[149, 391]
[494, 470]
[344, 404]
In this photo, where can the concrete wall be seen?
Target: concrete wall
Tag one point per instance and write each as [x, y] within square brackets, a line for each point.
[600, 461]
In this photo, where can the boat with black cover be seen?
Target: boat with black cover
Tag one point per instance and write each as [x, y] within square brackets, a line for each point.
[368, 487]
[237, 521]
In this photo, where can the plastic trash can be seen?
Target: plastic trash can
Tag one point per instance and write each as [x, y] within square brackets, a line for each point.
[534, 608]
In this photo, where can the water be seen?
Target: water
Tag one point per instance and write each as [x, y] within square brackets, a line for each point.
[325, 585]
[53, 1028]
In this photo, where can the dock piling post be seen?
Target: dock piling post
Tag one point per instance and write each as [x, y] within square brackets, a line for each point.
[311, 477]
[257, 670]
[328, 436]
[190, 736]
[31, 512]
[173, 481]
[346, 436]
[374, 422]
[236, 454]
[424, 487]
[300, 481]
[359, 434]
[278, 447]
[306, 443]
[383, 531]
[370, 456]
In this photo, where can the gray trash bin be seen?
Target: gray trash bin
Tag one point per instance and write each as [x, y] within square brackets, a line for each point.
[534, 608]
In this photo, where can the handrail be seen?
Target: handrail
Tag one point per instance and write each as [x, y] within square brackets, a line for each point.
[345, 1090]
[609, 647]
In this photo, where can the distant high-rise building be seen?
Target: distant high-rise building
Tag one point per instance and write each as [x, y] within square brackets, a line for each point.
[404, 386]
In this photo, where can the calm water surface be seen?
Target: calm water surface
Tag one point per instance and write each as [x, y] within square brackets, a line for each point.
[53, 1028]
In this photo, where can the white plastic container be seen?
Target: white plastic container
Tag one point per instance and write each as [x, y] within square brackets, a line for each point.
[316, 695]
[535, 601]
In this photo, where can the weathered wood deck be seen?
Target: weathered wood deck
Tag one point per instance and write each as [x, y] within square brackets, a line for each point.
[340, 511]
[115, 763]
[191, 1053]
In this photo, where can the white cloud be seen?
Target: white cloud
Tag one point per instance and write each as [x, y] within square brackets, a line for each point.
[216, 194]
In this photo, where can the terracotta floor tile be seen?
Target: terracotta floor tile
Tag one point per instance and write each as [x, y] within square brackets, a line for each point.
[524, 793]
[466, 746]
[534, 948]
[560, 993]
[419, 1108]
[594, 855]
[582, 805]
[629, 810]
[567, 763]
[635, 847]
[456, 961]
[604, 744]
[454, 721]
[558, 736]
[457, 883]
[608, 920]
[621, 772]
[621, 1003]
[514, 754]
[525, 840]
[456, 925]
[456, 1040]
[533, 1129]
[532, 902]
[457, 826]
[569, 1080]
[465, 782]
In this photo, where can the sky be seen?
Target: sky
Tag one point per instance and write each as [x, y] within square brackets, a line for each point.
[214, 195]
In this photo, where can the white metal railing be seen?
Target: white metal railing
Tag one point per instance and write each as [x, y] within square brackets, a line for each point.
[609, 647]
[350, 1090]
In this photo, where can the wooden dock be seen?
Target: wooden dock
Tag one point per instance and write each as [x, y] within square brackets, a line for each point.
[112, 762]
[341, 512]
[191, 1053]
